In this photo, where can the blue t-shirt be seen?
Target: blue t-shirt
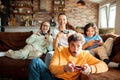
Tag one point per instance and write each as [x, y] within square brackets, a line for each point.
[95, 37]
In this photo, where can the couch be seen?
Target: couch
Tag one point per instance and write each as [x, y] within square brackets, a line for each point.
[112, 73]
[13, 68]
[18, 68]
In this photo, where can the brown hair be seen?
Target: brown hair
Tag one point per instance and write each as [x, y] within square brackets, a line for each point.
[42, 25]
[89, 25]
[68, 25]
[76, 37]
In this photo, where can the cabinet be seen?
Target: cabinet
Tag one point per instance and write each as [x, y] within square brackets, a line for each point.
[21, 12]
[58, 6]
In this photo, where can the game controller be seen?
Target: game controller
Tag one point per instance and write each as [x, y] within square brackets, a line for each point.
[65, 31]
[79, 68]
[42, 33]
[97, 40]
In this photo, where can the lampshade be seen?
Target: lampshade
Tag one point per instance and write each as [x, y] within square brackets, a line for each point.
[80, 3]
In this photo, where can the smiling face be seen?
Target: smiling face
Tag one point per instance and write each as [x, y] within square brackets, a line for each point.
[62, 20]
[45, 27]
[90, 32]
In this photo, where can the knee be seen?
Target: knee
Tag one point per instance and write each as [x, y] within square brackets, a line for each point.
[110, 39]
[49, 54]
[35, 61]
[101, 48]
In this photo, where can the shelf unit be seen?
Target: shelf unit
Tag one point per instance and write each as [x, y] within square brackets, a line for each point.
[22, 7]
[22, 12]
[58, 6]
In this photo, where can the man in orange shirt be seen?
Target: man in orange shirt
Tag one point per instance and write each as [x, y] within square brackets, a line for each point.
[67, 63]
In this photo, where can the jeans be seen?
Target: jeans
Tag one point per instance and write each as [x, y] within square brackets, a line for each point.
[39, 71]
[48, 57]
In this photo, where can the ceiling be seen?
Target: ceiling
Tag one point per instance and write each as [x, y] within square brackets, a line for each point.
[97, 1]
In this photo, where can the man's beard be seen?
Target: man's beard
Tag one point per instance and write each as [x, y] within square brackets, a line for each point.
[74, 53]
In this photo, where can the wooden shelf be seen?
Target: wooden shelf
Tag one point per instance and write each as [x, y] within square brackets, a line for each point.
[58, 6]
[22, 7]
[22, 12]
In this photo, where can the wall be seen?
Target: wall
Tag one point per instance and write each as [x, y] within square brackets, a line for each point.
[117, 24]
[76, 16]
[80, 16]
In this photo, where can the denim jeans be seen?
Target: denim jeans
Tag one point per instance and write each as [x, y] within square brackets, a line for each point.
[48, 57]
[39, 71]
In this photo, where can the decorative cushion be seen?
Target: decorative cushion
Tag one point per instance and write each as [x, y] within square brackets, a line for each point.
[80, 29]
[105, 31]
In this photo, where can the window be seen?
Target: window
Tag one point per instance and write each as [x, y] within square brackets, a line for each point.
[112, 15]
[107, 14]
[103, 17]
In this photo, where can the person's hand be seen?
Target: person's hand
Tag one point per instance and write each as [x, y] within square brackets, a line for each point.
[38, 32]
[91, 42]
[60, 34]
[86, 69]
[100, 43]
[47, 37]
[69, 67]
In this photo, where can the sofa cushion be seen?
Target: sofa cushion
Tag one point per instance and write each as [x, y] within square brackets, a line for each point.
[105, 36]
[13, 40]
[112, 74]
[116, 43]
[14, 68]
[107, 30]
[116, 47]
[116, 58]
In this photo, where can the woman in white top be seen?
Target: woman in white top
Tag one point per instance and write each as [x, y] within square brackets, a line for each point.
[60, 35]
[37, 44]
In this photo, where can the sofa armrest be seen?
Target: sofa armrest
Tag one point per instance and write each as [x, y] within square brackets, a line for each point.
[13, 40]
